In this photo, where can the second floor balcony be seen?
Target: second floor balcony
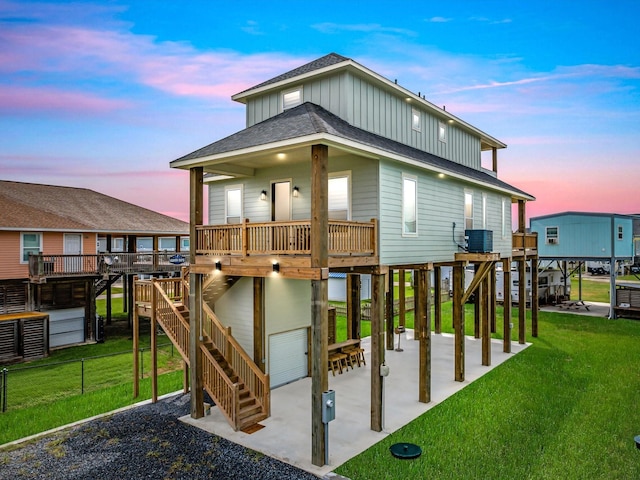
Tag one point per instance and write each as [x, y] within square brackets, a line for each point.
[346, 239]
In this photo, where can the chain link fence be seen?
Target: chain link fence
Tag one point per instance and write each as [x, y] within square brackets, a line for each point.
[31, 385]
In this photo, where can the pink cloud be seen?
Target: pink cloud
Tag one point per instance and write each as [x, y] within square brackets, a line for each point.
[49, 100]
[176, 68]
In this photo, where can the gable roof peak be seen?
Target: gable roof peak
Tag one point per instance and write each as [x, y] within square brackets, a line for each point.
[322, 62]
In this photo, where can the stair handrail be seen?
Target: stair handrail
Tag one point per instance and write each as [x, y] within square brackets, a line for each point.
[227, 395]
[248, 372]
[182, 344]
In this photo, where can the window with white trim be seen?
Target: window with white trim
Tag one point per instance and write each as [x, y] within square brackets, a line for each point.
[167, 243]
[416, 122]
[117, 244]
[504, 218]
[144, 244]
[291, 98]
[484, 211]
[339, 196]
[409, 205]
[30, 243]
[468, 210]
[233, 204]
[551, 235]
[442, 132]
[620, 232]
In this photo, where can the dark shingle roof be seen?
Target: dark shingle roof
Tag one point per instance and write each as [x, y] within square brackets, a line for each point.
[49, 207]
[326, 61]
[308, 119]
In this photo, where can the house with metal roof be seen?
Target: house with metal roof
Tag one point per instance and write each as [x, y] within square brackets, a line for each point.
[338, 170]
[60, 247]
[581, 237]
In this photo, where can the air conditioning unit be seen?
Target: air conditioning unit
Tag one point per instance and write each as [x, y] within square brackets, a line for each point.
[479, 241]
[552, 241]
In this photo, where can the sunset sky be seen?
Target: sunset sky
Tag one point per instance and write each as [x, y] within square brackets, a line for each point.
[103, 95]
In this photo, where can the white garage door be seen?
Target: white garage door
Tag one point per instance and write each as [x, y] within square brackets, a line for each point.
[287, 356]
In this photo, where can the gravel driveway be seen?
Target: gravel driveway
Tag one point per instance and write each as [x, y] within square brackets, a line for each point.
[144, 442]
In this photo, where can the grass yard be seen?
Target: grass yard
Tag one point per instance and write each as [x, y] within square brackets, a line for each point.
[566, 407]
[48, 394]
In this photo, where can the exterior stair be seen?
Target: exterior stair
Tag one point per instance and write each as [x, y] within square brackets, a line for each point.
[215, 286]
[250, 409]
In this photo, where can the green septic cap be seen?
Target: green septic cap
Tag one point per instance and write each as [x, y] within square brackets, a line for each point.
[405, 450]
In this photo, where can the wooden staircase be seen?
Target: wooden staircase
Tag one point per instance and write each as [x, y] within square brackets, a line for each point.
[230, 377]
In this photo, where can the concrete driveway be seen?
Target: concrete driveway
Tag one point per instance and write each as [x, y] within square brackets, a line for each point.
[287, 432]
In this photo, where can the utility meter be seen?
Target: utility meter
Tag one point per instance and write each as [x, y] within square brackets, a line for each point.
[328, 406]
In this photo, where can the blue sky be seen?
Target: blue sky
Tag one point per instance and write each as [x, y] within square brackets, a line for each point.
[104, 95]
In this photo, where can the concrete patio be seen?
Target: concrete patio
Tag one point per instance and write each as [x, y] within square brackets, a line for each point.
[287, 432]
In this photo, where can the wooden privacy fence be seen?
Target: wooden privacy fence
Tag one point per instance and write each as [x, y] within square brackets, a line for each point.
[284, 238]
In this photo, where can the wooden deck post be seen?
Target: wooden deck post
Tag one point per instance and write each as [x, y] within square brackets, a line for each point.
[477, 307]
[195, 296]
[416, 298]
[402, 299]
[492, 298]
[506, 303]
[389, 311]
[483, 292]
[353, 306]
[522, 298]
[136, 346]
[424, 382]
[259, 355]
[185, 377]
[377, 349]
[534, 297]
[319, 297]
[154, 344]
[458, 320]
[437, 298]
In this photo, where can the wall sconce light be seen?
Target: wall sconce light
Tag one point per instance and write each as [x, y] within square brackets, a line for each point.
[218, 266]
[276, 267]
[296, 191]
[263, 195]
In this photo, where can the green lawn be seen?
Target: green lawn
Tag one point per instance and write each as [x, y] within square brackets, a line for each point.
[566, 407]
[47, 393]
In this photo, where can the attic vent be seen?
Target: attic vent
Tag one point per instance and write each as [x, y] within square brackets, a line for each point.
[291, 98]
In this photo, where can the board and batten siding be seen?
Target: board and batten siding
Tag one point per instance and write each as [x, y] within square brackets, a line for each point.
[364, 181]
[440, 205]
[379, 110]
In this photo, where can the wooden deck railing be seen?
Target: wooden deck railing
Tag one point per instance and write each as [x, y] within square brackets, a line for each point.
[525, 243]
[285, 238]
[248, 372]
[41, 265]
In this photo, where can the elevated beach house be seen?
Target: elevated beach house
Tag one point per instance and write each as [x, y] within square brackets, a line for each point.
[63, 246]
[338, 170]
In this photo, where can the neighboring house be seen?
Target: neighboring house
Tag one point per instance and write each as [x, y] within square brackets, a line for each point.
[338, 170]
[588, 237]
[62, 246]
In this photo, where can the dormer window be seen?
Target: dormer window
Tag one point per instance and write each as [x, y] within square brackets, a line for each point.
[416, 124]
[291, 98]
[442, 132]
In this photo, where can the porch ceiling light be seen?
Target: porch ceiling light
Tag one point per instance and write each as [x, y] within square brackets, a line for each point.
[263, 195]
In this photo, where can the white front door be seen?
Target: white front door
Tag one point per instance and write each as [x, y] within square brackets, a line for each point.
[73, 246]
[281, 207]
[288, 354]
